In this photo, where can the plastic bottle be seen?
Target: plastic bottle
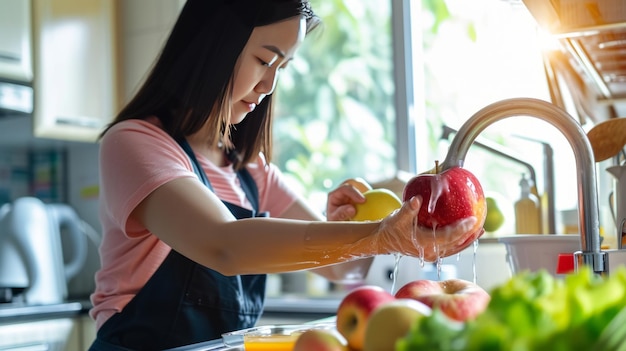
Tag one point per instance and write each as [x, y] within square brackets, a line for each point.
[527, 210]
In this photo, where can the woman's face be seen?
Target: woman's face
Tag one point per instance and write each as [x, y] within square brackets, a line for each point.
[268, 50]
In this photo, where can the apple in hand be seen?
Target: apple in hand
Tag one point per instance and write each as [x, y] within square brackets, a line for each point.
[392, 321]
[459, 299]
[359, 183]
[355, 309]
[379, 203]
[448, 197]
[320, 340]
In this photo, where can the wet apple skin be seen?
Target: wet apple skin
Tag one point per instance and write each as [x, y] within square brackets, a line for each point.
[457, 195]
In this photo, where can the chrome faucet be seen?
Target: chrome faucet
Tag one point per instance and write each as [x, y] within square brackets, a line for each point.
[588, 210]
[548, 165]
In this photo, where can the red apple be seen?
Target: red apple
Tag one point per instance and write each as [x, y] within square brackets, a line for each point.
[355, 310]
[458, 299]
[320, 340]
[449, 197]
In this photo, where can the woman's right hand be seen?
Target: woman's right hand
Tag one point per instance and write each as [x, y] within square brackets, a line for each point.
[400, 233]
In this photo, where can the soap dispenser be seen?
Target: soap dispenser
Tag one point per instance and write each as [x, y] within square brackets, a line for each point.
[527, 210]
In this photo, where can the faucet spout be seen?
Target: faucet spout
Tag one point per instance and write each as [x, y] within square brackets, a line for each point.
[588, 210]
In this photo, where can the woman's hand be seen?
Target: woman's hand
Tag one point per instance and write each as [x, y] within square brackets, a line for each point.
[341, 201]
[400, 233]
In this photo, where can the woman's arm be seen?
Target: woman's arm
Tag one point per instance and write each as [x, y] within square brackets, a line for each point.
[340, 206]
[191, 219]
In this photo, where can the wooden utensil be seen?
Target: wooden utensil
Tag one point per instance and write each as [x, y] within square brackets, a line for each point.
[607, 138]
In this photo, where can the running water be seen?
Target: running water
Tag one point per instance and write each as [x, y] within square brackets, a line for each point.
[474, 259]
[394, 275]
[416, 244]
[437, 189]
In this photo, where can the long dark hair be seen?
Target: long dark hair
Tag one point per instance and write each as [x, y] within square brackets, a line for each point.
[191, 81]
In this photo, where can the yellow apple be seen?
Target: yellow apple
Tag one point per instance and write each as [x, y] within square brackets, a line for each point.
[320, 340]
[379, 203]
[392, 321]
[359, 183]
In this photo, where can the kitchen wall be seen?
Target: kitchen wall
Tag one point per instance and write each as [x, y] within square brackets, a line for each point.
[82, 165]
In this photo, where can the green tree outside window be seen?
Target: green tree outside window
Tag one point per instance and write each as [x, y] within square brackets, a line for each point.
[335, 117]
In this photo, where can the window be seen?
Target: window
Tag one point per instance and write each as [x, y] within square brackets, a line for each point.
[370, 92]
[475, 53]
[335, 117]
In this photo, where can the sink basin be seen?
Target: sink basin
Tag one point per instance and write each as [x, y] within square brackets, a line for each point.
[536, 251]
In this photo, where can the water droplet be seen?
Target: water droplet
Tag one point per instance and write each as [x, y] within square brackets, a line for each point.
[439, 266]
[435, 245]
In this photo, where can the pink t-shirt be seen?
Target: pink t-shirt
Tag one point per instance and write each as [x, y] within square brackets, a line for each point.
[137, 157]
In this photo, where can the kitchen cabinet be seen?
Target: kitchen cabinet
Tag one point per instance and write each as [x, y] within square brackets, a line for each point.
[83, 58]
[75, 67]
[591, 59]
[55, 327]
[87, 331]
[145, 27]
[58, 334]
[62, 334]
[15, 41]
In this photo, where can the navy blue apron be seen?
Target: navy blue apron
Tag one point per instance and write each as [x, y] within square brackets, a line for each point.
[184, 302]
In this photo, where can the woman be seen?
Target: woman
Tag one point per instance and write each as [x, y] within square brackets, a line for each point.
[187, 186]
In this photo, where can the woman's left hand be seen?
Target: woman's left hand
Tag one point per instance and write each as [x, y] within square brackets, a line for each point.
[341, 201]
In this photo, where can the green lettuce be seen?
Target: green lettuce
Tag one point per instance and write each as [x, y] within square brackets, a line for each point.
[535, 311]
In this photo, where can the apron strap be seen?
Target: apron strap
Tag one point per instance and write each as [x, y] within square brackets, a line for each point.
[245, 179]
[194, 163]
[252, 192]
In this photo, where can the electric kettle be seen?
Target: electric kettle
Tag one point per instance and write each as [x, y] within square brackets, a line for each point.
[31, 258]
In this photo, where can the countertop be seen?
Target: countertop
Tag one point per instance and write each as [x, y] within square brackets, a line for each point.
[297, 304]
[20, 312]
[312, 308]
